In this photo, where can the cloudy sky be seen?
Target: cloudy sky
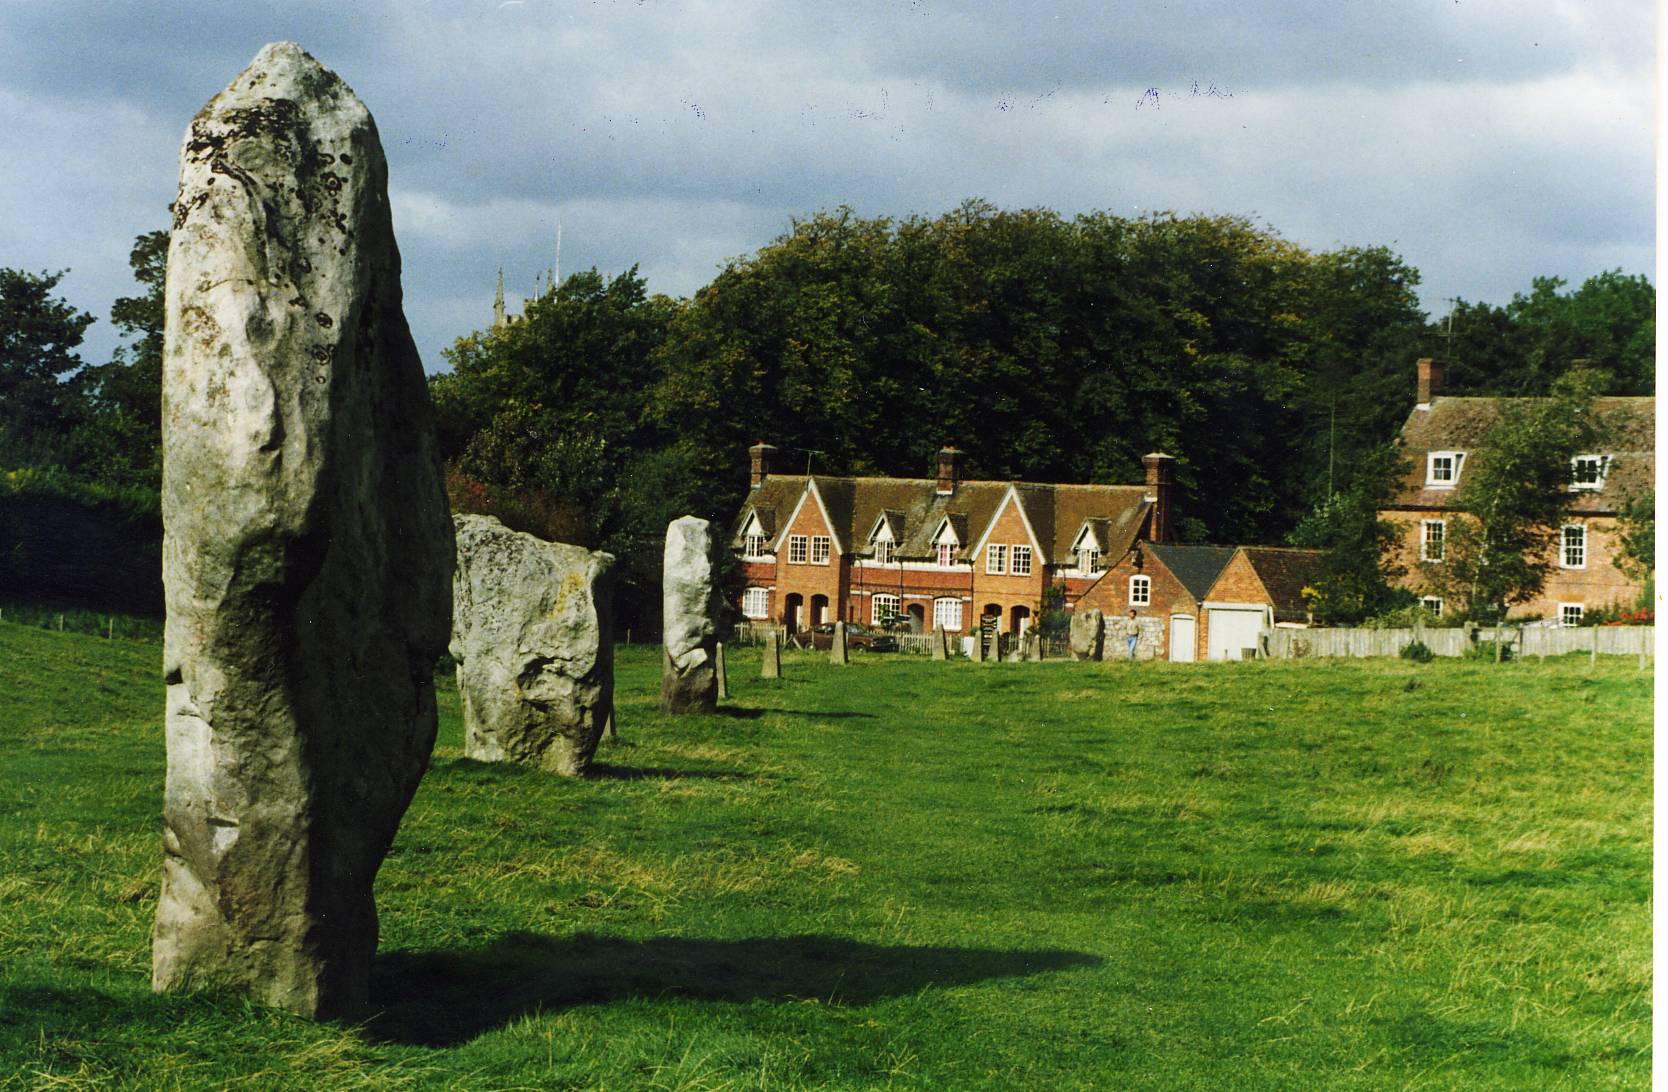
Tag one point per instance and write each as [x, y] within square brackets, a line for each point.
[1487, 142]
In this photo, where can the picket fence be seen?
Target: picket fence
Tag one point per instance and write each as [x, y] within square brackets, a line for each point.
[1291, 644]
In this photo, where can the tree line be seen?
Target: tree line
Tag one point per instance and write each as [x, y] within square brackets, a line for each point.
[1049, 348]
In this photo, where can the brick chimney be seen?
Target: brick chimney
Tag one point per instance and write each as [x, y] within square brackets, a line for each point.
[1432, 377]
[763, 458]
[1161, 491]
[949, 469]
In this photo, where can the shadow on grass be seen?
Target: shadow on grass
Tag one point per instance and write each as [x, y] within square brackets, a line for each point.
[607, 771]
[444, 998]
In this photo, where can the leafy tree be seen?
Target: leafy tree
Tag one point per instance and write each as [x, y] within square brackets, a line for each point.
[119, 439]
[1637, 527]
[1360, 569]
[39, 333]
[1514, 493]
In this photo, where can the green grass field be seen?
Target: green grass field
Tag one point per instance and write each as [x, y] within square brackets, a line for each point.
[906, 874]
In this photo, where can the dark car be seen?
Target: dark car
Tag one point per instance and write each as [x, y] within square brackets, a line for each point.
[857, 636]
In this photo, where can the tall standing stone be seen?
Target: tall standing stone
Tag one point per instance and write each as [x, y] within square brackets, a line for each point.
[723, 672]
[688, 681]
[308, 553]
[1088, 634]
[532, 633]
[771, 666]
[940, 644]
[837, 651]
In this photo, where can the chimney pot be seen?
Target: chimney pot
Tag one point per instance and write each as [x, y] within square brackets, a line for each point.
[1161, 488]
[1432, 378]
[949, 469]
[763, 457]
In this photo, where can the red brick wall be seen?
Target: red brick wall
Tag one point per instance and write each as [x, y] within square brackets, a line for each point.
[1598, 584]
[1004, 589]
[1110, 595]
[807, 579]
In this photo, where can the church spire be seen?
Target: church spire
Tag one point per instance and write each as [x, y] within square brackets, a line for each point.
[498, 319]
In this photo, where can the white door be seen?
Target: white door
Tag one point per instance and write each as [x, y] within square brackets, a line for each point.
[1232, 630]
[1184, 638]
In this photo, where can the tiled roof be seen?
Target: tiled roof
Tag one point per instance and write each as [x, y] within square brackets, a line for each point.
[1285, 571]
[914, 509]
[1196, 567]
[1459, 424]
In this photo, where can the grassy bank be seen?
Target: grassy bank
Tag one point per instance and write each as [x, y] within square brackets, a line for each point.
[907, 874]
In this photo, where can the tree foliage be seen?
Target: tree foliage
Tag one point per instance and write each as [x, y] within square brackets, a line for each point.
[1514, 493]
[39, 335]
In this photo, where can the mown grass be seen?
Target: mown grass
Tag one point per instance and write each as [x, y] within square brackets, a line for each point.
[906, 874]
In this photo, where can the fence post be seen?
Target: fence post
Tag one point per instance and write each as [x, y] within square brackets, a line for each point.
[60, 623]
[110, 632]
[1592, 658]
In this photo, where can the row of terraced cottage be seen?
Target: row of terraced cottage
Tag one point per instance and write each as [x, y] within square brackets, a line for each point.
[946, 552]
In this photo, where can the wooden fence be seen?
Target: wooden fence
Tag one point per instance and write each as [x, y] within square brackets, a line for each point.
[1291, 644]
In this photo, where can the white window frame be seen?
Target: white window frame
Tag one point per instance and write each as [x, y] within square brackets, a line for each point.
[798, 549]
[1088, 559]
[1140, 591]
[1432, 603]
[754, 546]
[1576, 549]
[1426, 553]
[1597, 483]
[887, 600]
[755, 603]
[1570, 614]
[819, 549]
[1456, 463]
[947, 614]
[886, 551]
[996, 559]
[946, 554]
[1019, 560]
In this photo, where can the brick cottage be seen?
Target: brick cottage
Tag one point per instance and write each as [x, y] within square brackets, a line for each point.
[941, 551]
[1443, 432]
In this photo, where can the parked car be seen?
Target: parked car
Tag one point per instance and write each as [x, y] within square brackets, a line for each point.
[858, 635]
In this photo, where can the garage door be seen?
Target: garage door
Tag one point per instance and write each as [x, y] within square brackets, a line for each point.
[1232, 629]
[1184, 638]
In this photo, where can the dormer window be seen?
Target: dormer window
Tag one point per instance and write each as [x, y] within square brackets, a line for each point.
[1088, 559]
[1442, 469]
[946, 544]
[1587, 472]
[886, 551]
[755, 546]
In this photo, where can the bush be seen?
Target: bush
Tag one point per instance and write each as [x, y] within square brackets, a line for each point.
[1417, 651]
[1484, 650]
[1407, 618]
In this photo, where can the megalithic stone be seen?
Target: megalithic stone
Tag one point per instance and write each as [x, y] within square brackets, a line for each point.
[1088, 629]
[978, 645]
[723, 672]
[533, 637]
[308, 553]
[772, 665]
[940, 644]
[837, 648]
[688, 680]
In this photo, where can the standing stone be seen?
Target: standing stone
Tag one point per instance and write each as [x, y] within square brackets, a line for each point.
[978, 646]
[771, 668]
[1088, 634]
[723, 673]
[532, 634]
[1033, 647]
[940, 644]
[307, 558]
[837, 649]
[688, 680]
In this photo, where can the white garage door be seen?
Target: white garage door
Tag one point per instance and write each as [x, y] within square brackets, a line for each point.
[1184, 638]
[1232, 629]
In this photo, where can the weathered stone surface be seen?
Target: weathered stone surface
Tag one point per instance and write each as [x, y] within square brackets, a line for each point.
[1088, 631]
[771, 667]
[689, 605]
[837, 651]
[723, 672]
[532, 633]
[307, 557]
[940, 644]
